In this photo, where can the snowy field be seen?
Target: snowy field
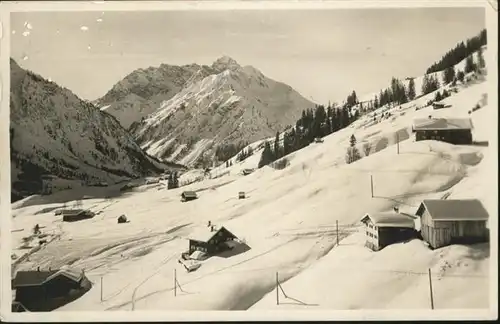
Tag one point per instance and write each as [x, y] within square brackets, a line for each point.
[289, 222]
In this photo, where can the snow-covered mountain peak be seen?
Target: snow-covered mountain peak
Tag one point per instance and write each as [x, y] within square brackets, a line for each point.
[225, 63]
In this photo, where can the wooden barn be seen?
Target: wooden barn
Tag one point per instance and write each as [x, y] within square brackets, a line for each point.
[450, 130]
[211, 240]
[73, 215]
[47, 290]
[188, 195]
[445, 222]
[386, 228]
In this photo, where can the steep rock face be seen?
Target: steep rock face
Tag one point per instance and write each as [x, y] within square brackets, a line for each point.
[54, 133]
[233, 104]
[141, 92]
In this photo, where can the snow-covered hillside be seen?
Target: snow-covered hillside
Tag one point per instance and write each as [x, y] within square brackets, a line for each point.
[233, 104]
[288, 220]
[55, 133]
[420, 79]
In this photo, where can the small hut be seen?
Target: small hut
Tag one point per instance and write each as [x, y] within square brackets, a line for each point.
[246, 171]
[188, 195]
[122, 219]
[74, 215]
[241, 195]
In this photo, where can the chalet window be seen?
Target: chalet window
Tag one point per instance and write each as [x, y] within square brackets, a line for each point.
[367, 233]
[374, 236]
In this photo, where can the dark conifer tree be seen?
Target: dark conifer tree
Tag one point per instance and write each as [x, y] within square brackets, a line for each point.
[459, 53]
[411, 89]
[276, 151]
[470, 66]
[352, 154]
[480, 59]
[267, 155]
[448, 75]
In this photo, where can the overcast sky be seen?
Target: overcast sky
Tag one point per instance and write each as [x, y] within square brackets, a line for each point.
[322, 54]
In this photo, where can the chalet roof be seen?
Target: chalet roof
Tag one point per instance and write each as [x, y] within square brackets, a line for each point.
[31, 277]
[204, 234]
[454, 209]
[442, 123]
[70, 273]
[390, 219]
[72, 212]
[36, 278]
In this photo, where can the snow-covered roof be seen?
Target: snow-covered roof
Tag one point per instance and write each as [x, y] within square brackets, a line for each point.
[35, 278]
[204, 234]
[442, 123]
[454, 209]
[189, 194]
[72, 212]
[70, 273]
[31, 278]
[390, 219]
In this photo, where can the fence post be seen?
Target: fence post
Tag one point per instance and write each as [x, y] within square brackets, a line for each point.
[371, 184]
[337, 226]
[430, 288]
[397, 139]
[175, 282]
[102, 288]
[277, 290]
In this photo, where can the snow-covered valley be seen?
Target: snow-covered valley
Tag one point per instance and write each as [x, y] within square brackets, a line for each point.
[289, 220]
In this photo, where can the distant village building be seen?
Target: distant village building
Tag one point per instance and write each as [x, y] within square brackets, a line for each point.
[73, 215]
[241, 195]
[247, 171]
[440, 105]
[188, 196]
[450, 130]
[445, 222]
[211, 240]
[152, 181]
[47, 290]
[385, 228]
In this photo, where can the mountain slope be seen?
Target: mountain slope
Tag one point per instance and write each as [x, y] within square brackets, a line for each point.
[287, 221]
[55, 133]
[143, 90]
[235, 104]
